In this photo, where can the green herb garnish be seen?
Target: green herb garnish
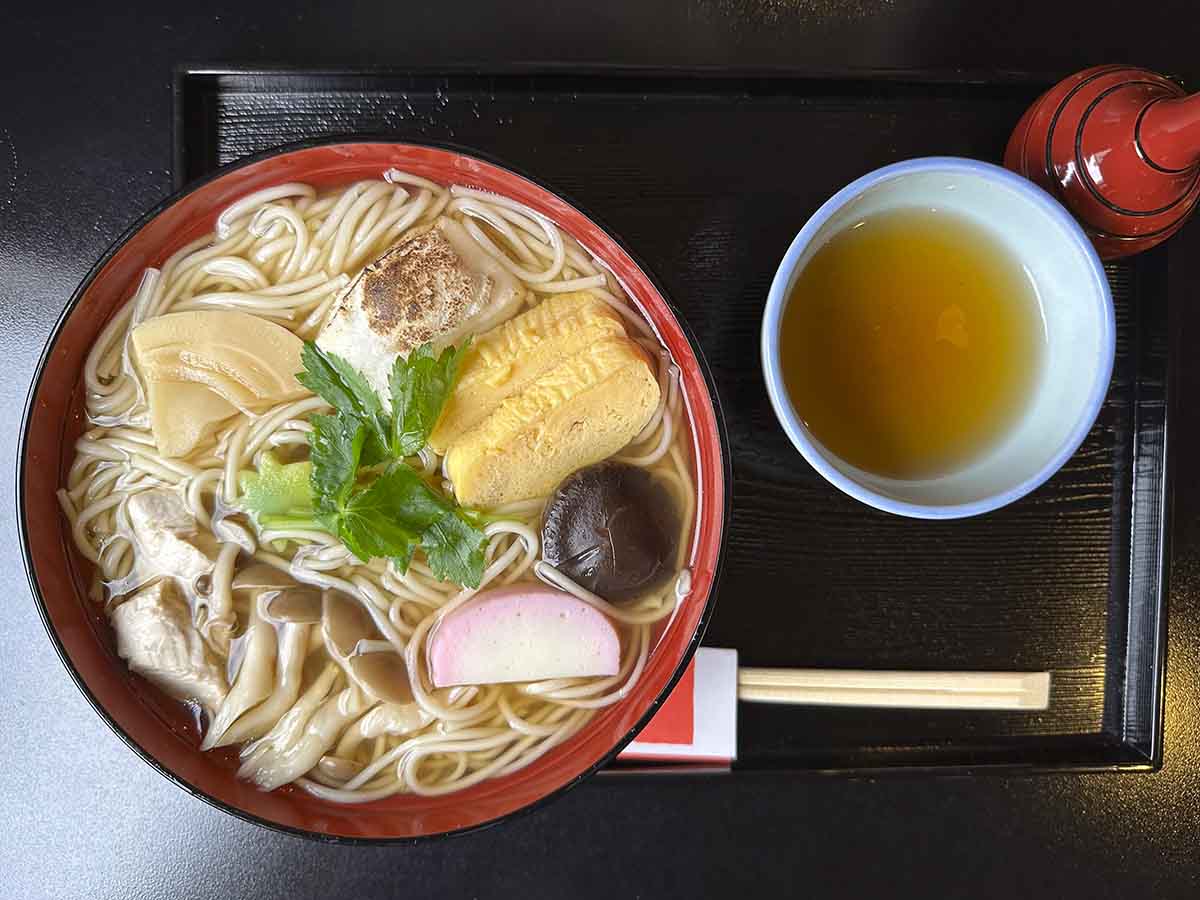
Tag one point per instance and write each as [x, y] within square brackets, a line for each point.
[360, 488]
[450, 546]
[344, 388]
[420, 386]
[276, 489]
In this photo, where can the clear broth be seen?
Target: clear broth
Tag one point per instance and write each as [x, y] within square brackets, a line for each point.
[911, 343]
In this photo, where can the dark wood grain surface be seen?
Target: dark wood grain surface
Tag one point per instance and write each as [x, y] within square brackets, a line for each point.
[86, 144]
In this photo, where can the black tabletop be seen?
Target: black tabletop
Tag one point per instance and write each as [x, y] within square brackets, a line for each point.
[86, 145]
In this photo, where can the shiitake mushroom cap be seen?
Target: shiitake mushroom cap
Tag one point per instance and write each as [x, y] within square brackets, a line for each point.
[613, 528]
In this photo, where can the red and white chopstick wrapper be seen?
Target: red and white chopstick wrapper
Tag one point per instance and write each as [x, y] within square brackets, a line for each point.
[698, 721]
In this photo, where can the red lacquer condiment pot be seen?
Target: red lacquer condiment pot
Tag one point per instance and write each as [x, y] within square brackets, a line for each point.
[1120, 148]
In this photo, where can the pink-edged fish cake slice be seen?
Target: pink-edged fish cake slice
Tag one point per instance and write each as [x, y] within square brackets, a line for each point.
[522, 633]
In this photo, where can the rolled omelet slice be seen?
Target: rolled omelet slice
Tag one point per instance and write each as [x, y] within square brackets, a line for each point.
[504, 361]
[581, 411]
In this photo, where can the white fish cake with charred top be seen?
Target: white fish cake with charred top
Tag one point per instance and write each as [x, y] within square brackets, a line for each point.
[436, 286]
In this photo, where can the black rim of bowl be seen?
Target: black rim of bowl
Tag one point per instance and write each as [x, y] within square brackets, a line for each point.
[64, 657]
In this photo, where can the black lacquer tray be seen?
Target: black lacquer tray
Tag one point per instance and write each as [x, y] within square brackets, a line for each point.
[708, 175]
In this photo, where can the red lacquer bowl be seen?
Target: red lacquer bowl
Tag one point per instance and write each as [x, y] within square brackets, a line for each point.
[159, 729]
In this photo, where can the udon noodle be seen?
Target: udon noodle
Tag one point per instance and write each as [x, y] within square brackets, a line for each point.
[286, 254]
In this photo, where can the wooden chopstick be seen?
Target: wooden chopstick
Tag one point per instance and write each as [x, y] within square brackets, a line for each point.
[913, 690]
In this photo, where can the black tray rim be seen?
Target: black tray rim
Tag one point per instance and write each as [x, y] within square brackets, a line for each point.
[1124, 754]
[752, 77]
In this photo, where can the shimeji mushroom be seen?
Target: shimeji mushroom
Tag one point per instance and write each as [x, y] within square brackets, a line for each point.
[385, 719]
[252, 668]
[357, 646]
[292, 646]
[364, 671]
[302, 735]
[277, 604]
[284, 600]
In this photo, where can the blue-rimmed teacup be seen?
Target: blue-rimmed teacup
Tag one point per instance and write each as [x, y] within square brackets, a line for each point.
[1077, 312]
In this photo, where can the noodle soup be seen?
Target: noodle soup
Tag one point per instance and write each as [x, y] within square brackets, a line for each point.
[333, 637]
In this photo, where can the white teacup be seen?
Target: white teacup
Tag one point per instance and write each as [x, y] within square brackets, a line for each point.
[1076, 305]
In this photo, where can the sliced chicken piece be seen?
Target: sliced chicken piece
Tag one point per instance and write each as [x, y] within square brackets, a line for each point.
[155, 636]
[168, 538]
[169, 542]
[437, 286]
